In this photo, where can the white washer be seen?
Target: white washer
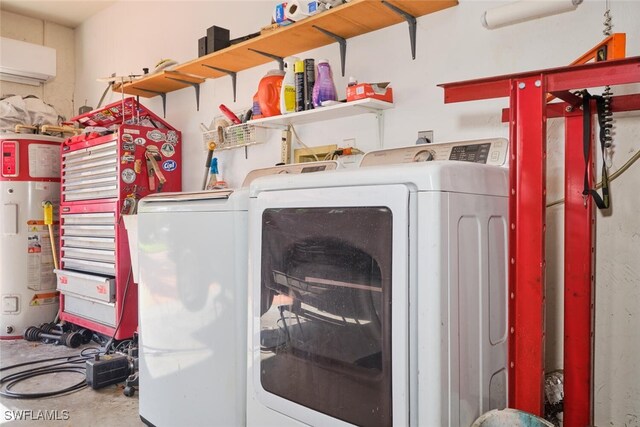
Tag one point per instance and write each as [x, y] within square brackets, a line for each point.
[192, 250]
[378, 296]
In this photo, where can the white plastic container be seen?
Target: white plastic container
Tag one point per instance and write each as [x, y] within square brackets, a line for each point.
[288, 90]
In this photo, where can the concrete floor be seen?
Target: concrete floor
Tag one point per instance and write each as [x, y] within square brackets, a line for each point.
[86, 407]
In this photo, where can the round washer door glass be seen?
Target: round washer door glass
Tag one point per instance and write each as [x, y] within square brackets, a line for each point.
[326, 310]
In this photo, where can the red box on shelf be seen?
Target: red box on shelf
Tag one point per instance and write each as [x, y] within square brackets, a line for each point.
[381, 91]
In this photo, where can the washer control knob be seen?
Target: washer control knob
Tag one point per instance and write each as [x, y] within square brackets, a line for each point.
[423, 156]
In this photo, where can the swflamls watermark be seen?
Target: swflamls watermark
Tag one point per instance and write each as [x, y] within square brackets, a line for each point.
[36, 415]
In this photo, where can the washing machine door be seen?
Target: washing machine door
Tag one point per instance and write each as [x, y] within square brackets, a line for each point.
[330, 313]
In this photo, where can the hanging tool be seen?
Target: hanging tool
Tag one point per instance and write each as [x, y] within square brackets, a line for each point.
[153, 170]
[211, 146]
[604, 137]
[130, 204]
[48, 221]
[229, 114]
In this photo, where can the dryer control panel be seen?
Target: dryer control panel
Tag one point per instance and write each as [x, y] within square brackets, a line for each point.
[486, 151]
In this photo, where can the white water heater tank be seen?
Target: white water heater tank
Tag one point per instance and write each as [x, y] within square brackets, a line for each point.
[30, 175]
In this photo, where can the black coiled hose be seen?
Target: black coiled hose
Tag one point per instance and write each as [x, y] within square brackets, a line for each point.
[74, 364]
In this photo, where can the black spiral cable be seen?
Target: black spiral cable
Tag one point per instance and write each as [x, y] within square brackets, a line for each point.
[606, 121]
[73, 364]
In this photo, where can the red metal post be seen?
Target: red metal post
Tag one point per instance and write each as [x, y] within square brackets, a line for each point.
[579, 223]
[527, 176]
[527, 119]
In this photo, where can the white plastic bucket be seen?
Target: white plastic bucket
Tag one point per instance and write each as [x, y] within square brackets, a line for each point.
[510, 418]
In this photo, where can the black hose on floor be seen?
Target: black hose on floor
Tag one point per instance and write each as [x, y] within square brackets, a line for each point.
[73, 364]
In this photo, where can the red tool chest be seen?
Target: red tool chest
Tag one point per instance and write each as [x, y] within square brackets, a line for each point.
[103, 177]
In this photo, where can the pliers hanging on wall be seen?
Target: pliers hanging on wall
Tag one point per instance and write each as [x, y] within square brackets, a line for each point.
[152, 156]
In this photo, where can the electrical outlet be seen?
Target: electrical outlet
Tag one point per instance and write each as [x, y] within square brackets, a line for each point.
[348, 142]
[285, 147]
[425, 137]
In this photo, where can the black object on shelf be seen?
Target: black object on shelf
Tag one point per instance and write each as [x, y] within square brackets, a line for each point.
[217, 38]
[202, 46]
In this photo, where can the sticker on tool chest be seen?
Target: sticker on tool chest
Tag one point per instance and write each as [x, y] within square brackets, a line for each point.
[128, 176]
[172, 137]
[156, 136]
[169, 165]
[168, 150]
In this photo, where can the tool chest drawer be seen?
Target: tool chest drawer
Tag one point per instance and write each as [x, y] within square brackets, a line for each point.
[90, 173]
[92, 310]
[86, 285]
[87, 243]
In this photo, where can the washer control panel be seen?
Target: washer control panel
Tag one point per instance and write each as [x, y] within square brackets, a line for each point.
[486, 151]
[295, 168]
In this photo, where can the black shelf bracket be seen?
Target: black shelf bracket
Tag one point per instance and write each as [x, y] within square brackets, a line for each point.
[411, 20]
[196, 86]
[276, 58]
[162, 95]
[233, 75]
[343, 45]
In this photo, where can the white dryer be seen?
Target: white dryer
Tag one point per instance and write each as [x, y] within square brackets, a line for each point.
[378, 296]
[192, 250]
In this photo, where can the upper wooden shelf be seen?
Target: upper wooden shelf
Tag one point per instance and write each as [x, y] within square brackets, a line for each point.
[157, 83]
[346, 21]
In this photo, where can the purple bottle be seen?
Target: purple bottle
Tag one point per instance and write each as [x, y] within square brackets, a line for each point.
[324, 89]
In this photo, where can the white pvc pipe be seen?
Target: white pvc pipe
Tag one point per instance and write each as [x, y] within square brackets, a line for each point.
[525, 10]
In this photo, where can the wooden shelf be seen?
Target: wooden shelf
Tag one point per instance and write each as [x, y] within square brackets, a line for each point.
[346, 21]
[157, 83]
[338, 111]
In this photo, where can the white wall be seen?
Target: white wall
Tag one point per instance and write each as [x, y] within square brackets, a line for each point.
[59, 91]
[452, 46]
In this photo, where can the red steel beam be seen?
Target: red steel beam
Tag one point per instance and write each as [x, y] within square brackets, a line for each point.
[614, 72]
[527, 177]
[579, 221]
[619, 104]
[609, 73]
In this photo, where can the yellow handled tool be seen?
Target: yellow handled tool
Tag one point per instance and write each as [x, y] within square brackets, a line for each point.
[48, 221]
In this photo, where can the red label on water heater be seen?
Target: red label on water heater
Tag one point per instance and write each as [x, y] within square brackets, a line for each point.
[10, 158]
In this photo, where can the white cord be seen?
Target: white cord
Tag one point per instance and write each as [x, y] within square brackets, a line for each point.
[303, 144]
[613, 176]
